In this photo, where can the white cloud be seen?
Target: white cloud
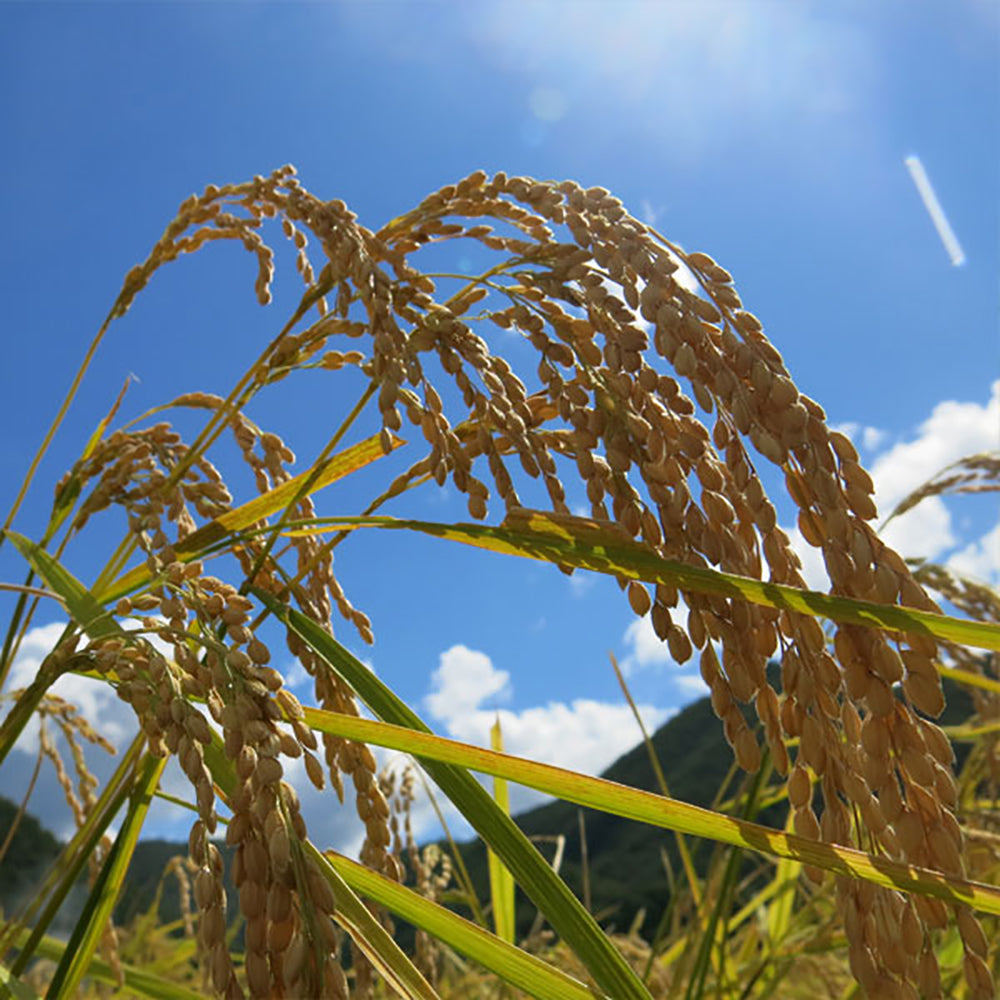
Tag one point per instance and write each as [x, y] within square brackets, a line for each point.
[464, 679]
[693, 685]
[646, 648]
[813, 567]
[583, 735]
[872, 437]
[96, 700]
[981, 559]
[924, 531]
[36, 645]
[952, 431]
[581, 582]
[296, 677]
[849, 428]
[868, 438]
[97, 703]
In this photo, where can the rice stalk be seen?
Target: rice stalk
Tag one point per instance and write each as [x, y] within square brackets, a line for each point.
[660, 395]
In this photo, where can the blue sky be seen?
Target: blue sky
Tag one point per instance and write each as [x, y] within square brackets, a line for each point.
[771, 135]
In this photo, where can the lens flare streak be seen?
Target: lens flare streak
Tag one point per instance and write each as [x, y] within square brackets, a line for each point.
[935, 211]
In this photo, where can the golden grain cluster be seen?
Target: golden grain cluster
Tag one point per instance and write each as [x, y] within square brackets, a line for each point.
[661, 396]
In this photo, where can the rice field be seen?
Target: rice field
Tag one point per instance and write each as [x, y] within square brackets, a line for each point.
[660, 394]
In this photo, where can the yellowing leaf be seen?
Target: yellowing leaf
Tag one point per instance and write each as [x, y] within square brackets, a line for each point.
[501, 880]
[657, 810]
[585, 544]
[234, 521]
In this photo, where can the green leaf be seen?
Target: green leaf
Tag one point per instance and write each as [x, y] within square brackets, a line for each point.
[779, 913]
[69, 491]
[71, 861]
[97, 911]
[531, 871]
[657, 810]
[84, 608]
[517, 967]
[373, 939]
[501, 880]
[12, 987]
[601, 546]
[138, 982]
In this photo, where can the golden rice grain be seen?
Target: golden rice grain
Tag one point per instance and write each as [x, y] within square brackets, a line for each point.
[639, 446]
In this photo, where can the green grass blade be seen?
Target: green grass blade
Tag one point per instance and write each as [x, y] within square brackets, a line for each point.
[370, 935]
[967, 677]
[71, 861]
[723, 898]
[578, 542]
[12, 987]
[24, 708]
[97, 911]
[531, 871]
[784, 881]
[694, 883]
[521, 969]
[138, 982]
[647, 807]
[466, 890]
[69, 491]
[83, 607]
[372, 938]
[501, 880]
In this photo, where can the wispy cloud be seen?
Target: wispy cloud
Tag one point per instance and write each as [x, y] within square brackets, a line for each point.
[935, 211]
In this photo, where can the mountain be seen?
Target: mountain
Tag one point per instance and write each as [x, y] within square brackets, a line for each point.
[29, 856]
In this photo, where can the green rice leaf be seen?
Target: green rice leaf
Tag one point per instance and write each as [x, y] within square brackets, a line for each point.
[83, 607]
[63, 876]
[11, 986]
[517, 967]
[372, 938]
[657, 810]
[501, 880]
[84, 610]
[783, 883]
[97, 911]
[69, 491]
[532, 873]
[602, 547]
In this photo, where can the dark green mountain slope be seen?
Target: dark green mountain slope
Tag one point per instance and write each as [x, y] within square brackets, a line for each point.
[28, 858]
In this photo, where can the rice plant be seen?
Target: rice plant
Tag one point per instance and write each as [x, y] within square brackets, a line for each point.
[659, 394]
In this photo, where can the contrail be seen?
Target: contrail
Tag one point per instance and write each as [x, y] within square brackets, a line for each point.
[934, 210]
